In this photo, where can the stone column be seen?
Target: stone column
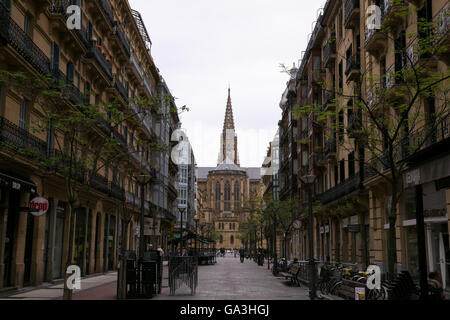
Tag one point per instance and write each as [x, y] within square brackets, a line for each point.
[4, 197]
[99, 254]
[37, 255]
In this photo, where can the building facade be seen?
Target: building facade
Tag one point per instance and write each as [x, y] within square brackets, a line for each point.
[341, 65]
[225, 192]
[107, 59]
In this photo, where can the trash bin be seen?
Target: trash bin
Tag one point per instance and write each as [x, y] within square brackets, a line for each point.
[155, 256]
[130, 274]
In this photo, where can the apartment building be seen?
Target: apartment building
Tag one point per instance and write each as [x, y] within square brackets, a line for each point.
[347, 63]
[106, 61]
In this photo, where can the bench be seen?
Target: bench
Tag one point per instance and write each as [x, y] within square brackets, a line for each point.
[292, 274]
[347, 289]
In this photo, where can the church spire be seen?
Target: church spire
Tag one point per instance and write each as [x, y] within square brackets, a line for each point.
[228, 139]
[229, 121]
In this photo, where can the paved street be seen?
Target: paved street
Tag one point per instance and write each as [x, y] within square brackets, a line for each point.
[227, 280]
[231, 280]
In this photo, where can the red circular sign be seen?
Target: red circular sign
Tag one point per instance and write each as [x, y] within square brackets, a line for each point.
[38, 206]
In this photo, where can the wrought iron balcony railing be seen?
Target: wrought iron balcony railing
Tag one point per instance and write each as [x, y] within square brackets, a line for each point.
[117, 192]
[136, 65]
[12, 34]
[18, 138]
[120, 88]
[350, 7]
[94, 53]
[99, 183]
[329, 147]
[122, 38]
[107, 10]
[348, 186]
[352, 64]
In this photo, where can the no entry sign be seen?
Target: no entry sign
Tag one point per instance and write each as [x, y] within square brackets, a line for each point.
[38, 206]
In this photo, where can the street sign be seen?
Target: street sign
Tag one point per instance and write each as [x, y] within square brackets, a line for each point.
[38, 206]
[297, 224]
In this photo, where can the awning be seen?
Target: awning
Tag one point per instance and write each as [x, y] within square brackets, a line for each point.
[8, 181]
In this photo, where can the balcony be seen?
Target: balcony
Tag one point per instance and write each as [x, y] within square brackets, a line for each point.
[375, 42]
[58, 19]
[442, 33]
[353, 125]
[347, 187]
[319, 159]
[330, 148]
[394, 86]
[353, 68]
[329, 100]
[120, 88]
[135, 68]
[119, 138]
[121, 39]
[12, 34]
[117, 192]
[103, 66]
[99, 183]
[172, 189]
[147, 86]
[319, 75]
[352, 13]
[102, 9]
[395, 14]
[430, 135]
[17, 138]
[147, 119]
[329, 53]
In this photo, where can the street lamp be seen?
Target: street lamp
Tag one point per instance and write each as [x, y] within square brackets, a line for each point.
[143, 180]
[308, 180]
[196, 219]
[181, 209]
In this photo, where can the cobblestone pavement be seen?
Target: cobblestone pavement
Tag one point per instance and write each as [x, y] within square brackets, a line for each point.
[229, 279]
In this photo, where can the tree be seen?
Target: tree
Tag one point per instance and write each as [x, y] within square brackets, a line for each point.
[394, 114]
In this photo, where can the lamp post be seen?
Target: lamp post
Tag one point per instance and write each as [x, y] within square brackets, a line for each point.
[196, 219]
[181, 209]
[308, 180]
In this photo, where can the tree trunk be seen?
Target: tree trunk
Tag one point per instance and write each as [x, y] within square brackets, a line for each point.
[67, 295]
[392, 243]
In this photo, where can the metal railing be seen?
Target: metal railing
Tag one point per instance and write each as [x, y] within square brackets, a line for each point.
[94, 53]
[21, 42]
[342, 189]
[20, 138]
[136, 65]
[183, 271]
[122, 38]
[99, 183]
[350, 5]
[117, 192]
[352, 63]
[329, 147]
[120, 88]
[104, 4]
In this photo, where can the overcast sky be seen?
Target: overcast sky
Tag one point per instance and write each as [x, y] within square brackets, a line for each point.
[201, 46]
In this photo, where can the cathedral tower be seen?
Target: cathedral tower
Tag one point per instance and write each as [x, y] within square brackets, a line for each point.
[228, 139]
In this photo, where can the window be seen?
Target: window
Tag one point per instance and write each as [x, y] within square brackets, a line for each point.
[217, 195]
[351, 164]
[341, 75]
[342, 170]
[237, 196]
[23, 115]
[70, 72]
[341, 125]
[341, 23]
[336, 176]
[87, 93]
[55, 53]
[231, 239]
[227, 196]
[28, 25]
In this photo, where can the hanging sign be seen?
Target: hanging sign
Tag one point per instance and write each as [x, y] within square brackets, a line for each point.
[38, 206]
[297, 224]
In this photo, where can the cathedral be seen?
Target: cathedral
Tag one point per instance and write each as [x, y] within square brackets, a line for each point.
[224, 192]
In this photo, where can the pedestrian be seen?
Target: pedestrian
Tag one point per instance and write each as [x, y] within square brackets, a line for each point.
[161, 252]
[435, 286]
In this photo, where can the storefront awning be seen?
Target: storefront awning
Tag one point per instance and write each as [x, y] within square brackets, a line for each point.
[11, 182]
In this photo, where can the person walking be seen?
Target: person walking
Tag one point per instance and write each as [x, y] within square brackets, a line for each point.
[242, 254]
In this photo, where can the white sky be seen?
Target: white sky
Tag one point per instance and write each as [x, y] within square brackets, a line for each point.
[201, 46]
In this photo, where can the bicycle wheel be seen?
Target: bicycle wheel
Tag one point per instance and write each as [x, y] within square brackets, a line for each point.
[335, 288]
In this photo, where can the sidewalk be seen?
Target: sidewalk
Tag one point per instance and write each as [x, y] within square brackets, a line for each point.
[51, 291]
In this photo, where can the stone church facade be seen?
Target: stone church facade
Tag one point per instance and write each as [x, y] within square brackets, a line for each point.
[224, 192]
